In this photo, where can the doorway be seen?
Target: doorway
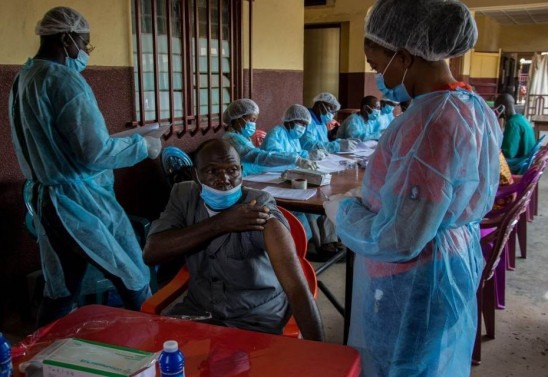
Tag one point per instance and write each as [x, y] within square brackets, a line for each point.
[321, 61]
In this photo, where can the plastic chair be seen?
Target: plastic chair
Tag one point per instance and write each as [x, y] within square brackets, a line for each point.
[258, 137]
[521, 164]
[176, 165]
[179, 284]
[493, 246]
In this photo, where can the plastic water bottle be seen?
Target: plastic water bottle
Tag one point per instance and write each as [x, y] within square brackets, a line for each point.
[6, 368]
[171, 360]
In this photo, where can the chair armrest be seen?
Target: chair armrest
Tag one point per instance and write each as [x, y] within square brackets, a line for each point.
[165, 296]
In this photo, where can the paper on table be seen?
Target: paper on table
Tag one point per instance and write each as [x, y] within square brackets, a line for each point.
[154, 130]
[368, 144]
[333, 163]
[364, 152]
[269, 177]
[295, 194]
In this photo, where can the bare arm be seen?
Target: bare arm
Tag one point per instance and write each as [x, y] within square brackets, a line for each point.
[282, 254]
[165, 246]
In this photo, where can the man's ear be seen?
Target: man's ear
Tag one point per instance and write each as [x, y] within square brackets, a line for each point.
[194, 175]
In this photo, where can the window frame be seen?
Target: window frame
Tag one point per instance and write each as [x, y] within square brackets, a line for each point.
[192, 120]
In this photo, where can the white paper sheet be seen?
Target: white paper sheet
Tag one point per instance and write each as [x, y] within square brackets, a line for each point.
[333, 163]
[295, 194]
[269, 177]
[154, 130]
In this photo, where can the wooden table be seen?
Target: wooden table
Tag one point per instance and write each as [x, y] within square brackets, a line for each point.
[540, 123]
[210, 351]
[341, 182]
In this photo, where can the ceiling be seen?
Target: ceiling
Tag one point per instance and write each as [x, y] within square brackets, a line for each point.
[522, 15]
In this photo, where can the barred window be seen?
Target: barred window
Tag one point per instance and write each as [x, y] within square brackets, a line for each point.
[187, 59]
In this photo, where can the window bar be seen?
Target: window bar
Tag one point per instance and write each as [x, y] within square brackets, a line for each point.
[197, 66]
[239, 61]
[155, 53]
[250, 50]
[185, 59]
[139, 61]
[232, 44]
[170, 61]
[220, 56]
[209, 88]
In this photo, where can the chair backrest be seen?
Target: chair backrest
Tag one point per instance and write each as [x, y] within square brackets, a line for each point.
[528, 161]
[258, 137]
[176, 165]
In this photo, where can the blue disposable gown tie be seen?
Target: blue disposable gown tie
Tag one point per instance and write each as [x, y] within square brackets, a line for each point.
[315, 136]
[72, 156]
[355, 127]
[256, 160]
[416, 236]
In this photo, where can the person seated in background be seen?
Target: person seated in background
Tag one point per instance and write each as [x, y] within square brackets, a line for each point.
[322, 113]
[519, 137]
[387, 114]
[505, 178]
[243, 266]
[241, 117]
[285, 137]
[365, 124]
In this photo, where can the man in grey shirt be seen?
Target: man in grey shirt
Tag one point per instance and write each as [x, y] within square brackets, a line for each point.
[242, 261]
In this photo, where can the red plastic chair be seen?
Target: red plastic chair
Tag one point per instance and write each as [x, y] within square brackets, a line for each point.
[258, 137]
[493, 246]
[175, 288]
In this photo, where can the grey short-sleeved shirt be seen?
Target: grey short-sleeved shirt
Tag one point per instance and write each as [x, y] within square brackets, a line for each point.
[231, 276]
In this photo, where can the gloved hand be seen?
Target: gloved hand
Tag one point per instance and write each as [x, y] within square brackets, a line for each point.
[332, 205]
[154, 146]
[306, 164]
[317, 154]
[348, 145]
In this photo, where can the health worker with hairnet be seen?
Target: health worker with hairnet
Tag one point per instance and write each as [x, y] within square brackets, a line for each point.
[432, 178]
[322, 113]
[241, 117]
[63, 147]
[285, 137]
[365, 124]
[387, 114]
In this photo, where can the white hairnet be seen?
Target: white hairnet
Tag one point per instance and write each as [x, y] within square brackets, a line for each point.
[62, 20]
[328, 98]
[238, 109]
[296, 112]
[432, 29]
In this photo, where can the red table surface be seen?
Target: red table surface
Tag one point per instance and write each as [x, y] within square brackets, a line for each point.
[209, 350]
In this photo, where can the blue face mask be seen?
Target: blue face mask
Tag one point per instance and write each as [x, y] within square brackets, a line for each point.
[374, 114]
[248, 129]
[297, 131]
[326, 118]
[397, 93]
[81, 61]
[218, 200]
[387, 109]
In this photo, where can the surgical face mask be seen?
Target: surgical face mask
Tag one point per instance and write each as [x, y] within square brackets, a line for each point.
[374, 114]
[218, 200]
[387, 109]
[81, 61]
[297, 131]
[326, 118]
[248, 129]
[499, 111]
[399, 92]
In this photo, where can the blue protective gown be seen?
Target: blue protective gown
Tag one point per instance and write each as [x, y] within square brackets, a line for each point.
[384, 121]
[255, 160]
[356, 127]
[72, 156]
[415, 232]
[278, 140]
[315, 136]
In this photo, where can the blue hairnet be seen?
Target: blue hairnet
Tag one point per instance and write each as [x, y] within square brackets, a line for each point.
[296, 112]
[239, 108]
[432, 29]
[62, 20]
[327, 98]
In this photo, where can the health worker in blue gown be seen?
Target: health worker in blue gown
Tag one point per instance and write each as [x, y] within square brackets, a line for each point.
[432, 178]
[365, 124]
[63, 147]
[241, 117]
[321, 114]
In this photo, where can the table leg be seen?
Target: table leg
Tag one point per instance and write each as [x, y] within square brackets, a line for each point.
[348, 293]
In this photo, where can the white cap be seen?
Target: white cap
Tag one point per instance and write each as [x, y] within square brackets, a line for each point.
[171, 346]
